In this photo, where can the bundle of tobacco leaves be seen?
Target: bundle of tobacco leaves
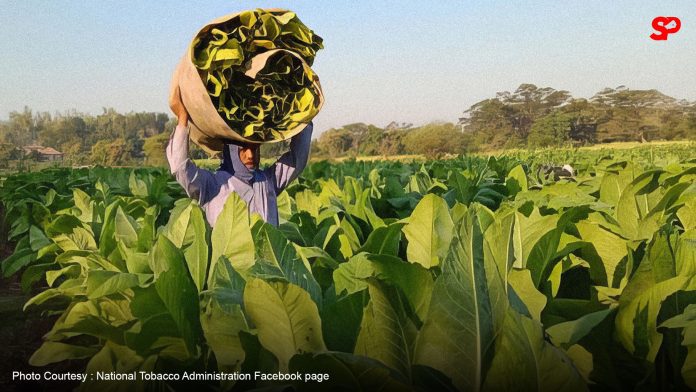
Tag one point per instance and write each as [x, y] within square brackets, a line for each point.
[279, 97]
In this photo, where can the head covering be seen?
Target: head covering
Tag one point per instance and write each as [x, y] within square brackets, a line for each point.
[233, 165]
[253, 186]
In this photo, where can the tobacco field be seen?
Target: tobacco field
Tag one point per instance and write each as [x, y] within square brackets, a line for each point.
[473, 273]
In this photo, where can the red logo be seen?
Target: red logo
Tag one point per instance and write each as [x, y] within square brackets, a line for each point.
[665, 25]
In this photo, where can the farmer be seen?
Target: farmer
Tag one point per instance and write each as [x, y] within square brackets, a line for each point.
[239, 171]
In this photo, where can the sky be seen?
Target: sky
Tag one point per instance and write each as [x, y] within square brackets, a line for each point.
[405, 61]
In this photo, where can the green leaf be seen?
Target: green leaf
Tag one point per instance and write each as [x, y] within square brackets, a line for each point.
[688, 370]
[308, 202]
[384, 240]
[582, 360]
[286, 318]
[276, 258]
[537, 239]
[340, 320]
[102, 283]
[570, 332]
[516, 181]
[524, 361]
[685, 254]
[415, 282]
[317, 254]
[231, 237]
[687, 214]
[221, 330]
[610, 250]
[350, 276]
[529, 232]
[459, 330]
[118, 359]
[37, 238]
[634, 206]
[227, 286]
[348, 372]
[52, 352]
[125, 229]
[499, 256]
[499, 241]
[429, 232]
[613, 184]
[188, 231]
[385, 333]
[107, 237]
[137, 186]
[85, 318]
[639, 307]
[34, 273]
[687, 322]
[79, 239]
[534, 301]
[178, 292]
[84, 204]
[136, 262]
[285, 204]
[660, 253]
[154, 320]
[43, 296]
[19, 259]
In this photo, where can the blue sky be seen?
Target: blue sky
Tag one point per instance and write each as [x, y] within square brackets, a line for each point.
[412, 61]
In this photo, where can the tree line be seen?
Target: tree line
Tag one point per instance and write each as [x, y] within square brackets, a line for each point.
[530, 116]
[109, 138]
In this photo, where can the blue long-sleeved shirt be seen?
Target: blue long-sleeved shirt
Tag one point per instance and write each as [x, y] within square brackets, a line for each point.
[258, 188]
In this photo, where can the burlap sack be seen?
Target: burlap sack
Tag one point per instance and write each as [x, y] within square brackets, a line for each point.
[208, 129]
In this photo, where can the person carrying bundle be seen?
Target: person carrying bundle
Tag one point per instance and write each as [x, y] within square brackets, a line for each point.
[245, 79]
[239, 171]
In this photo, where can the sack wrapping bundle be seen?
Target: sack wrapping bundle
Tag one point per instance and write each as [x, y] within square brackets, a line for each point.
[248, 77]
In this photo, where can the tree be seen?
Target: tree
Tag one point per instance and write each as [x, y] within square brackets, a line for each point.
[372, 141]
[336, 142]
[154, 149]
[22, 127]
[585, 116]
[7, 152]
[392, 143]
[529, 103]
[551, 130]
[110, 153]
[63, 130]
[72, 152]
[489, 121]
[506, 120]
[434, 139]
[315, 150]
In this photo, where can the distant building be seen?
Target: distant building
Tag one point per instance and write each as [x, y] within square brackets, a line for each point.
[394, 126]
[462, 124]
[46, 154]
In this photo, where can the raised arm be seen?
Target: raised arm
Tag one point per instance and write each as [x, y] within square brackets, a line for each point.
[291, 164]
[196, 182]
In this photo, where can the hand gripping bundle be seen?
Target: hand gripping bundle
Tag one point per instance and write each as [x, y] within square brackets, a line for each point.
[247, 77]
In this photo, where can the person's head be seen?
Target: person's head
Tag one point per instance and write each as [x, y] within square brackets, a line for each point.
[249, 154]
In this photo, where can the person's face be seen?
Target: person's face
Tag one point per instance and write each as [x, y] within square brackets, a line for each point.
[249, 155]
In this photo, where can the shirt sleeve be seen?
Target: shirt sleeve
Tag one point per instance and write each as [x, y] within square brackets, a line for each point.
[196, 182]
[290, 165]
